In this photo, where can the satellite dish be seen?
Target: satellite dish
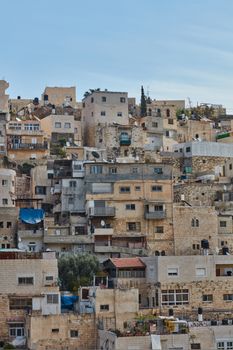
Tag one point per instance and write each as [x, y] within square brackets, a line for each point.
[95, 154]
[102, 223]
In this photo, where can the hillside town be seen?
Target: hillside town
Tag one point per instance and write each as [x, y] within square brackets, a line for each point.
[116, 222]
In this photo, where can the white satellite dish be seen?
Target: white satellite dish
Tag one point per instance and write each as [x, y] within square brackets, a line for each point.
[102, 223]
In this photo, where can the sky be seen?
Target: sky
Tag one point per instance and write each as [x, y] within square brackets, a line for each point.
[176, 49]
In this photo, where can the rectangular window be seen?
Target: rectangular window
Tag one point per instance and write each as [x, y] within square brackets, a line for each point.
[8, 224]
[25, 281]
[1, 224]
[207, 298]
[104, 307]
[72, 184]
[134, 170]
[172, 271]
[200, 271]
[16, 330]
[188, 149]
[4, 182]
[73, 333]
[158, 170]
[52, 298]
[228, 297]
[20, 303]
[156, 188]
[137, 188]
[104, 99]
[96, 169]
[175, 297]
[55, 330]
[4, 201]
[159, 229]
[102, 113]
[49, 278]
[154, 124]
[70, 200]
[125, 189]
[119, 114]
[223, 224]
[170, 121]
[130, 206]
[196, 346]
[40, 190]
[133, 226]
[122, 99]
[158, 207]
[113, 170]
[67, 125]
[57, 125]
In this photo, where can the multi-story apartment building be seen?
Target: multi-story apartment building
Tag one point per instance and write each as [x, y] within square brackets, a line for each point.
[4, 115]
[129, 207]
[8, 211]
[102, 108]
[28, 285]
[59, 127]
[26, 140]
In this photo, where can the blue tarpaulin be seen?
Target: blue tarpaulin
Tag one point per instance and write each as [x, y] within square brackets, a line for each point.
[31, 216]
[68, 301]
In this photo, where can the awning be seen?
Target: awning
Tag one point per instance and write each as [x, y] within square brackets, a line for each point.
[31, 216]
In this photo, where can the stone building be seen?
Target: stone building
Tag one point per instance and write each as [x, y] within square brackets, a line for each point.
[59, 96]
[102, 108]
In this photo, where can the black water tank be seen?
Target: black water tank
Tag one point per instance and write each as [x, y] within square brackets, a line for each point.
[18, 97]
[200, 311]
[205, 244]
[225, 250]
[170, 312]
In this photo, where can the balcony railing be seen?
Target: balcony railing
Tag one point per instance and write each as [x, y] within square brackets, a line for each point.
[30, 233]
[155, 215]
[103, 231]
[71, 239]
[115, 249]
[32, 146]
[105, 211]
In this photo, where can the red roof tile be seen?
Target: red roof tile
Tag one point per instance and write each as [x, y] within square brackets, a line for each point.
[127, 262]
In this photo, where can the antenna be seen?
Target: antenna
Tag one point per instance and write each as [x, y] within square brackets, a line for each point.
[148, 92]
[189, 102]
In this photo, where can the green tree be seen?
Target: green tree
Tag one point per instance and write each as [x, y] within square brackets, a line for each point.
[143, 103]
[77, 270]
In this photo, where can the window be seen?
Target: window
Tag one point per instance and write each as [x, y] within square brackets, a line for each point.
[159, 229]
[172, 271]
[73, 333]
[200, 271]
[25, 280]
[52, 298]
[4, 201]
[207, 298]
[20, 303]
[72, 184]
[4, 182]
[130, 206]
[122, 99]
[225, 345]
[133, 226]
[67, 125]
[156, 188]
[188, 149]
[55, 330]
[230, 166]
[167, 134]
[92, 99]
[195, 222]
[196, 346]
[57, 125]
[119, 114]
[196, 246]
[49, 278]
[125, 189]
[134, 170]
[16, 329]
[104, 99]
[175, 297]
[228, 297]
[223, 224]
[158, 170]
[1, 224]
[154, 124]
[96, 169]
[137, 188]
[80, 230]
[104, 307]
[71, 200]
[8, 224]
[158, 207]
[168, 112]
[102, 113]
[170, 121]
[113, 170]
[40, 190]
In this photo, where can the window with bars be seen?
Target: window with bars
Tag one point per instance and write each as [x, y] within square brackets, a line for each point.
[52, 298]
[133, 226]
[175, 297]
[25, 280]
[20, 303]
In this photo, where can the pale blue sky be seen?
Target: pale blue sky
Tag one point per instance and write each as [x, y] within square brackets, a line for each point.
[175, 48]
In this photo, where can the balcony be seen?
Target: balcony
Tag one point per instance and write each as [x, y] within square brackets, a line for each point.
[31, 146]
[102, 211]
[123, 250]
[125, 140]
[103, 231]
[30, 233]
[70, 239]
[155, 215]
[12, 131]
